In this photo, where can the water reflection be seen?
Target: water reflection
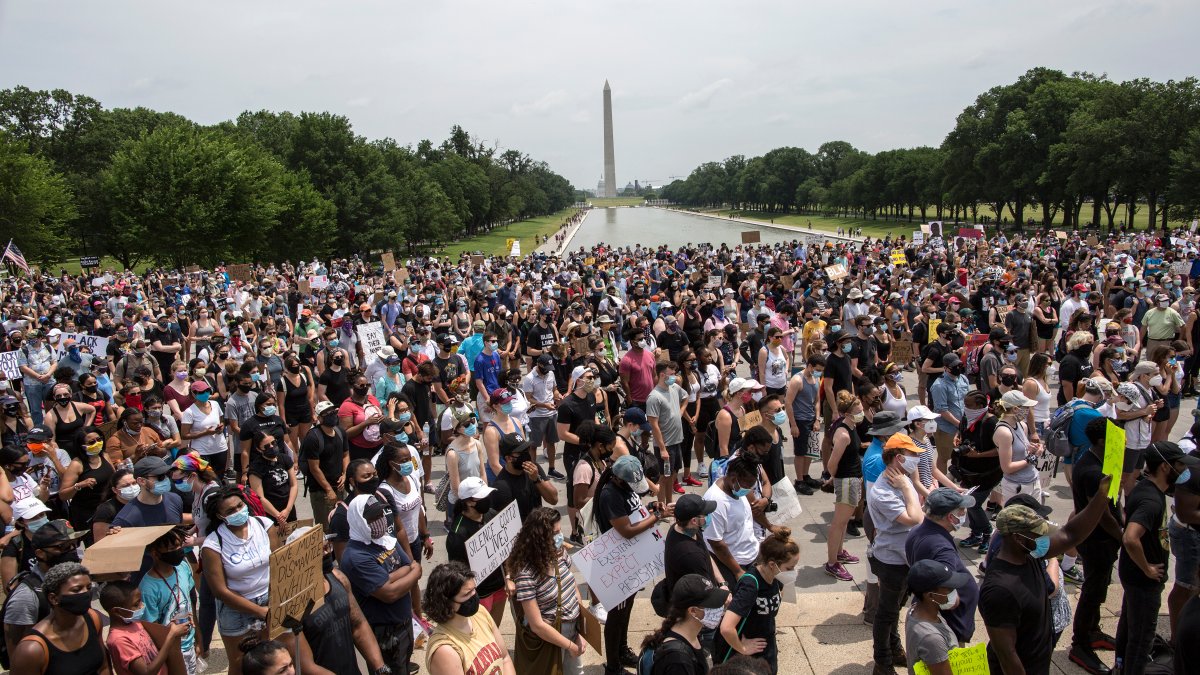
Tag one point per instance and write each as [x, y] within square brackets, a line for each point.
[654, 227]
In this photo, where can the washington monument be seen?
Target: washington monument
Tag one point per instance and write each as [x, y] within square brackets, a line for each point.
[610, 162]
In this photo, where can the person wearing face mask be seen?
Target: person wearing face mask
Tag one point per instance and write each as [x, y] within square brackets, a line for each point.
[14, 421]
[1017, 447]
[166, 593]
[946, 397]
[543, 397]
[70, 638]
[360, 416]
[748, 625]
[468, 515]
[932, 541]
[546, 598]
[464, 639]
[637, 369]
[1160, 324]
[155, 503]
[66, 417]
[679, 646]
[203, 427]
[132, 649]
[521, 479]
[399, 473]
[938, 592]
[663, 411]
[325, 454]
[37, 362]
[272, 475]
[55, 544]
[382, 578]
[895, 508]
[29, 515]
[922, 423]
[86, 476]
[1013, 599]
[687, 556]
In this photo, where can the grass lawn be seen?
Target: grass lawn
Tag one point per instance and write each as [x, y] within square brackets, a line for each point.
[493, 243]
[601, 202]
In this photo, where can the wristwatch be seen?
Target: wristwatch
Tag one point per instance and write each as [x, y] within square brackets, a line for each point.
[382, 670]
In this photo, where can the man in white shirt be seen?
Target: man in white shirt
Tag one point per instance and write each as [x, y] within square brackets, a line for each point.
[1075, 303]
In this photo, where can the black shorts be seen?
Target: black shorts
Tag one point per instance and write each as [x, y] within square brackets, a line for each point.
[674, 461]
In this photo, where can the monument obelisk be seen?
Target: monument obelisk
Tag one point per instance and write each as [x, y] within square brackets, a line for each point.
[610, 162]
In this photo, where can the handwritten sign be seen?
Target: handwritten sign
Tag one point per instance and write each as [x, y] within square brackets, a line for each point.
[304, 286]
[240, 272]
[8, 364]
[925, 229]
[370, 336]
[318, 282]
[714, 280]
[836, 272]
[488, 548]
[898, 258]
[750, 420]
[89, 261]
[751, 237]
[918, 238]
[783, 493]
[94, 344]
[933, 324]
[616, 568]
[400, 275]
[1114, 457]
[902, 352]
[476, 261]
[296, 579]
[963, 661]
[1060, 234]
[1092, 240]
[389, 261]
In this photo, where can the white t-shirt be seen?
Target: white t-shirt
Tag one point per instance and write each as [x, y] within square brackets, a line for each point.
[247, 562]
[207, 445]
[409, 508]
[41, 465]
[732, 523]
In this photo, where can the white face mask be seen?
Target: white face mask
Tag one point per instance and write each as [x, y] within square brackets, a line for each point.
[956, 520]
[951, 600]
[711, 618]
[910, 463]
[786, 577]
[929, 426]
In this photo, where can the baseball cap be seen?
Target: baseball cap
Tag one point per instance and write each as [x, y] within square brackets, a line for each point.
[500, 397]
[324, 407]
[629, 469]
[944, 500]
[473, 488]
[54, 533]
[689, 506]
[38, 434]
[29, 507]
[448, 340]
[738, 384]
[1029, 501]
[545, 360]
[1145, 368]
[150, 466]
[199, 386]
[1018, 518]
[511, 444]
[694, 590]
[919, 412]
[950, 360]
[635, 415]
[478, 326]
[902, 441]
[374, 510]
[1082, 288]
[928, 574]
[1015, 398]
[1166, 451]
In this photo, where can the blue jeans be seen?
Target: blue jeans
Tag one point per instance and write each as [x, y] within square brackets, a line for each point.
[35, 393]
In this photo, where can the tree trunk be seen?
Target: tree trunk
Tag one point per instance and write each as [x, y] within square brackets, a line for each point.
[1152, 215]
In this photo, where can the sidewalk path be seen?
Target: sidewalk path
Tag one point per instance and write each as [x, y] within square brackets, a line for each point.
[552, 247]
[763, 223]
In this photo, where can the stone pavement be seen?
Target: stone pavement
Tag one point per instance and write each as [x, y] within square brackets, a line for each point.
[820, 627]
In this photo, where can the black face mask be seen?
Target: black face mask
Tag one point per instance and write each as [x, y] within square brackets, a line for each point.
[483, 504]
[361, 391]
[76, 603]
[1008, 380]
[469, 607]
[368, 487]
[292, 367]
[956, 371]
[244, 388]
[172, 558]
[327, 563]
[329, 420]
[71, 556]
[339, 360]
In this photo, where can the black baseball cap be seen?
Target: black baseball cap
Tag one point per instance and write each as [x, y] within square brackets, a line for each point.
[690, 506]
[926, 575]
[150, 466]
[694, 590]
[511, 444]
[54, 533]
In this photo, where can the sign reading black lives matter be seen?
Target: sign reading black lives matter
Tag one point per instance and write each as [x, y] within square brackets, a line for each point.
[488, 548]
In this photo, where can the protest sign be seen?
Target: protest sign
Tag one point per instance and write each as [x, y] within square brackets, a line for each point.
[919, 238]
[616, 568]
[591, 630]
[935, 228]
[933, 324]
[1114, 458]
[811, 239]
[94, 344]
[1092, 240]
[124, 551]
[515, 250]
[488, 548]
[589, 261]
[389, 261]
[370, 336]
[192, 269]
[898, 258]
[1060, 234]
[89, 261]
[296, 579]
[963, 661]
[1122, 246]
[788, 281]
[973, 341]
[714, 280]
[751, 237]
[304, 286]
[240, 272]
[476, 261]
[751, 420]
[8, 364]
[902, 352]
[783, 493]
[318, 282]
[925, 229]
[836, 272]
[400, 275]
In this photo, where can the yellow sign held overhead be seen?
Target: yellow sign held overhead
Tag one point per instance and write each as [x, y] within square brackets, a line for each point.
[1114, 458]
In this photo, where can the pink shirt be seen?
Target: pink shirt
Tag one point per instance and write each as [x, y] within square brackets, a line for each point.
[129, 642]
[789, 344]
[640, 369]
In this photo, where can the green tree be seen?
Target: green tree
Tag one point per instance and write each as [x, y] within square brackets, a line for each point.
[35, 204]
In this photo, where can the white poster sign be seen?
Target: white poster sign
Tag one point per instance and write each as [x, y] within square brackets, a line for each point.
[783, 493]
[919, 238]
[94, 343]
[8, 364]
[318, 282]
[370, 336]
[616, 568]
[488, 548]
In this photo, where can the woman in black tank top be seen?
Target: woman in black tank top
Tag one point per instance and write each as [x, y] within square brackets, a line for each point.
[329, 630]
[69, 640]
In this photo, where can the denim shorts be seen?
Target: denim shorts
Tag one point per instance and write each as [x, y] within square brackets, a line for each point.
[232, 623]
[1185, 545]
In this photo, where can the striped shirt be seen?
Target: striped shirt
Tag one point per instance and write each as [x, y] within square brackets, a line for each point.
[533, 585]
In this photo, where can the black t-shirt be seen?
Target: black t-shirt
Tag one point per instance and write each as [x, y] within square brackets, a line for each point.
[276, 485]
[670, 659]
[462, 529]
[934, 352]
[773, 462]
[614, 501]
[21, 549]
[1085, 481]
[757, 602]
[1014, 596]
[539, 337]
[672, 342]
[272, 425]
[838, 368]
[337, 385]
[864, 350]
[686, 555]
[449, 368]
[1147, 506]
[327, 450]
[107, 511]
[1187, 638]
[1073, 368]
[418, 393]
[519, 488]
[573, 411]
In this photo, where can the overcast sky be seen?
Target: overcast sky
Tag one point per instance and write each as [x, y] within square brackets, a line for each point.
[692, 80]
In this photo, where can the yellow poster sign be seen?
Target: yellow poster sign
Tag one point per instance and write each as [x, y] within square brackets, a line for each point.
[898, 258]
[963, 661]
[1114, 458]
[933, 324]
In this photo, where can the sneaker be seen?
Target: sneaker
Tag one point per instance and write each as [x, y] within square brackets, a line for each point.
[1087, 659]
[838, 572]
[413, 669]
[703, 472]
[1102, 640]
[971, 541]
[689, 480]
[679, 489]
[555, 474]
[628, 658]
[1074, 575]
[802, 488]
[852, 530]
[825, 475]
[983, 545]
[576, 540]
[845, 558]
[812, 482]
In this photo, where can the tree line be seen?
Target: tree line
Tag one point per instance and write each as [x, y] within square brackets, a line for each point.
[1040, 149]
[147, 186]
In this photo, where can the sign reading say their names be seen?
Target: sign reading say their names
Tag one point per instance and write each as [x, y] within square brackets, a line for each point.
[616, 568]
[488, 548]
[370, 336]
[296, 579]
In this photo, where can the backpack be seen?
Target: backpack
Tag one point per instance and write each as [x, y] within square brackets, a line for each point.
[43, 610]
[1059, 443]
[971, 363]
[645, 665]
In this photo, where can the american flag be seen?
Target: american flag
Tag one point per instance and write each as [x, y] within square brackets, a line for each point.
[14, 254]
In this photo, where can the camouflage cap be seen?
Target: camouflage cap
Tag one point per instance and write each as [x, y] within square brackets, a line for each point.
[1021, 519]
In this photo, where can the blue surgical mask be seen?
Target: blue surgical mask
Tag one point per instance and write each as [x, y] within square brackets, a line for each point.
[238, 518]
[161, 487]
[741, 492]
[670, 380]
[848, 347]
[270, 410]
[183, 485]
[836, 328]
[558, 540]
[1041, 546]
[402, 437]
[404, 417]
[471, 430]
[35, 525]
[1184, 477]
[202, 397]
[506, 408]
[779, 419]
[134, 615]
[406, 468]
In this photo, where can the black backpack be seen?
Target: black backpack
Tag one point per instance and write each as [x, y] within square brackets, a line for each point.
[31, 581]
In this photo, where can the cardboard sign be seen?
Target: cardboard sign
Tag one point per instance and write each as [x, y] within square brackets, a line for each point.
[788, 281]
[305, 287]
[318, 282]
[8, 364]
[933, 324]
[925, 229]
[1123, 246]
[811, 239]
[751, 237]
[389, 261]
[714, 280]
[89, 261]
[783, 493]
[591, 630]
[94, 344]
[837, 272]
[963, 661]
[123, 551]
[750, 420]
[192, 269]
[296, 579]
[476, 261]
[1092, 240]
[898, 258]
[1114, 458]
[240, 272]
[400, 276]
[616, 568]
[370, 336]
[902, 352]
[488, 548]
[580, 345]
[1060, 234]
